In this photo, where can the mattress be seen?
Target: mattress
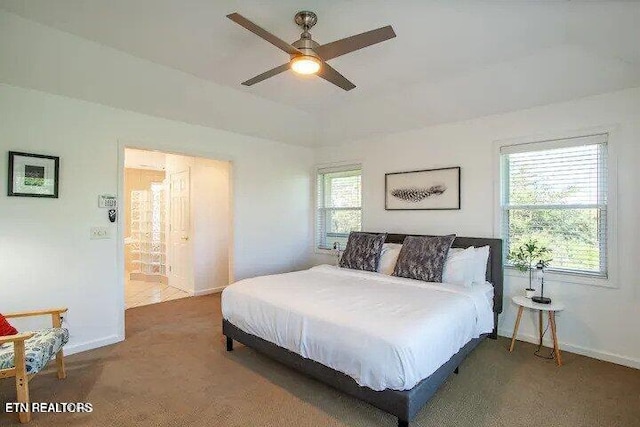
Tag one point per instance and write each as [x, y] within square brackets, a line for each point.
[384, 332]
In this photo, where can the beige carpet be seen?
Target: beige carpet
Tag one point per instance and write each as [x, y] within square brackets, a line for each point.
[172, 370]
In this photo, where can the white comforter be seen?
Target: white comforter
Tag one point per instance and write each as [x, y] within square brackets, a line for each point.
[385, 332]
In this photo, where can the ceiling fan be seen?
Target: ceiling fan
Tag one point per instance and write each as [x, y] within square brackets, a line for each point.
[309, 57]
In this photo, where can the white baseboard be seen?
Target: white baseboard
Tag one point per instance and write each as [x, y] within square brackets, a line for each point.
[90, 345]
[189, 291]
[589, 352]
[208, 291]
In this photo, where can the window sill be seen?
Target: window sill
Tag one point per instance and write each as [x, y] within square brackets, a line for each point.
[573, 278]
[327, 252]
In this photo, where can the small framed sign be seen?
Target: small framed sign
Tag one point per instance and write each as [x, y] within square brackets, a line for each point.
[33, 175]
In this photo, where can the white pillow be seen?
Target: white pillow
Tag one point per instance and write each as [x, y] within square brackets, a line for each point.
[458, 267]
[479, 269]
[388, 258]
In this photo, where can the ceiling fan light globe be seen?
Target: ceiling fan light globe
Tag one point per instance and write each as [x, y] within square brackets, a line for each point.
[305, 64]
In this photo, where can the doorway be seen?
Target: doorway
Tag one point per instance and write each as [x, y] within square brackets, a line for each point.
[177, 226]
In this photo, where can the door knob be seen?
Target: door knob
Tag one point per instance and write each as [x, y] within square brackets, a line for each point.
[185, 238]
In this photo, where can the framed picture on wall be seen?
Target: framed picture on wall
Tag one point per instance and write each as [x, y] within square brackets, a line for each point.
[430, 189]
[33, 175]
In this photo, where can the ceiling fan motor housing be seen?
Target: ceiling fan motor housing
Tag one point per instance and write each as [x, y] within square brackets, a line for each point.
[306, 46]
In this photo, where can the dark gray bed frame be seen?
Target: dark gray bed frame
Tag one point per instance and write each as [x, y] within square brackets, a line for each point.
[403, 404]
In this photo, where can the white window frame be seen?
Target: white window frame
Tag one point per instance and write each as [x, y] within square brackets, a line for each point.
[332, 167]
[611, 280]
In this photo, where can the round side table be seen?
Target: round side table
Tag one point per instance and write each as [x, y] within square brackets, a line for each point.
[551, 308]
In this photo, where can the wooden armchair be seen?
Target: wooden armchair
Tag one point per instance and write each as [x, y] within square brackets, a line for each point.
[31, 352]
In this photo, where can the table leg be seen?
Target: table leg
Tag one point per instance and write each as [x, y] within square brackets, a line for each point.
[556, 349]
[515, 329]
[540, 326]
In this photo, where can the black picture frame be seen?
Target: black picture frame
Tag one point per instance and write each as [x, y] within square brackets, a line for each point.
[453, 206]
[42, 170]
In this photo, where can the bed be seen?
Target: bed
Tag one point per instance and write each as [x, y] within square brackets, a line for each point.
[367, 335]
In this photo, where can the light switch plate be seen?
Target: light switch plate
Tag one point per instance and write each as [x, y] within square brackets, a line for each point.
[99, 233]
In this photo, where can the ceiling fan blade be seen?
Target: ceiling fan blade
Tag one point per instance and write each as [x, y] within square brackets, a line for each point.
[332, 76]
[272, 72]
[261, 32]
[359, 41]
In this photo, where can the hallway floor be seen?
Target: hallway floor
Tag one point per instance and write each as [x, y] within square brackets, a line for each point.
[139, 293]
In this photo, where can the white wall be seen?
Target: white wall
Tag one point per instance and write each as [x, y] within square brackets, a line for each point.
[46, 257]
[212, 224]
[598, 321]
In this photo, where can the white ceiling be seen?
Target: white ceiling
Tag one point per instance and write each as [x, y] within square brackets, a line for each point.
[450, 61]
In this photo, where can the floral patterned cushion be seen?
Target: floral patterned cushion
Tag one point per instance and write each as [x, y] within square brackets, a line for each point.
[39, 349]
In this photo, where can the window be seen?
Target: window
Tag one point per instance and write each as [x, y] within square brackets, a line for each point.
[339, 205]
[556, 193]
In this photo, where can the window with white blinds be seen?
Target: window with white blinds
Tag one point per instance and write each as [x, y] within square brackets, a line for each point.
[556, 193]
[339, 205]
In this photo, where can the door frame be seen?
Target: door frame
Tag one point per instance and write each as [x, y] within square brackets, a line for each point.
[167, 148]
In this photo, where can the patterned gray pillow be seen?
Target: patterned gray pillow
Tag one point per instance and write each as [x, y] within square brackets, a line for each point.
[423, 257]
[363, 251]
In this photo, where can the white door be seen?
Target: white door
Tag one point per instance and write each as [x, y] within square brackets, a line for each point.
[180, 271]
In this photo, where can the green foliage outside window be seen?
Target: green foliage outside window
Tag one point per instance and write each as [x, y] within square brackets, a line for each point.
[572, 232]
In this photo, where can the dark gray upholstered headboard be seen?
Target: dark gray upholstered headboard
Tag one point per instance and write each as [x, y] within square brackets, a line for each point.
[494, 263]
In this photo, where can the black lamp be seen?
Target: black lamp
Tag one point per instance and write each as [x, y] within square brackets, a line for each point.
[540, 273]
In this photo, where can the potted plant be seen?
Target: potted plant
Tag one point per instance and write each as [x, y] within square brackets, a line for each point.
[525, 257]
